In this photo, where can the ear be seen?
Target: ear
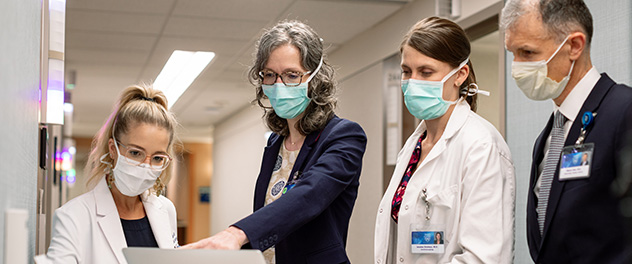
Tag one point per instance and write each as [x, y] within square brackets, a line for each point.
[461, 75]
[112, 148]
[578, 44]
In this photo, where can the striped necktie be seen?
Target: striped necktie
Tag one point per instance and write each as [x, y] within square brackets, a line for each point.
[552, 160]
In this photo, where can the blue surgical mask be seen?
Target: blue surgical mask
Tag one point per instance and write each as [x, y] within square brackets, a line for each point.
[289, 101]
[424, 99]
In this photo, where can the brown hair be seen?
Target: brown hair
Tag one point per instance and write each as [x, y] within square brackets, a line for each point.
[321, 89]
[136, 104]
[443, 40]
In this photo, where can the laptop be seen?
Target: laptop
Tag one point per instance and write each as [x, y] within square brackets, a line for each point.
[143, 255]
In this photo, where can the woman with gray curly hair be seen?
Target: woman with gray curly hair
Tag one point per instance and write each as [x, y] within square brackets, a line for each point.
[310, 171]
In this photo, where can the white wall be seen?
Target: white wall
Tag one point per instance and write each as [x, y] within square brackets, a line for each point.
[238, 144]
[19, 84]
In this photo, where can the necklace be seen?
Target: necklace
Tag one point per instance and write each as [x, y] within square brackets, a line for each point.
[293, 144]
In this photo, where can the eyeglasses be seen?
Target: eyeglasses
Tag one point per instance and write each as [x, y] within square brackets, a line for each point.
[289, 78]
[135, 156]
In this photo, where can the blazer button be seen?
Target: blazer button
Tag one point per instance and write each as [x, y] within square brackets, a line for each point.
[401, 259]
[379, 261]
[406, 207]
[381, 210]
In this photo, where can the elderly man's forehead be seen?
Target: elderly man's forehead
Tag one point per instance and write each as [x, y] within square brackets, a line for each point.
[530, 23]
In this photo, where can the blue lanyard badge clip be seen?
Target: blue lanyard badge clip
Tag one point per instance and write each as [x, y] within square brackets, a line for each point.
[587, 119]
[292, 182]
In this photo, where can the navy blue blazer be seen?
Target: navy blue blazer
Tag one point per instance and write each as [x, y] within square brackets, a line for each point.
[583, 223]
[309, 223]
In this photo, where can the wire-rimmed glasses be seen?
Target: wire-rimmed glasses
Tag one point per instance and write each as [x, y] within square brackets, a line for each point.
[135, 156]
[289, 78]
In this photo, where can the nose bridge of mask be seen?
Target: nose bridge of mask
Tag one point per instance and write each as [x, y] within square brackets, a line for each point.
[557, 50]
[316, 70]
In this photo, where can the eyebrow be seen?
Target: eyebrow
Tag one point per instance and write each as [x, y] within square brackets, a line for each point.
[423, 66]
[143, 149]
[285, 70]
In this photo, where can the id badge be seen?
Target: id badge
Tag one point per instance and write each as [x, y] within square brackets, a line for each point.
[576, 161]
[427, 239]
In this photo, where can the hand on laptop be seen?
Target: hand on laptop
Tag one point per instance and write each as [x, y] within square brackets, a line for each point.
[230, 238]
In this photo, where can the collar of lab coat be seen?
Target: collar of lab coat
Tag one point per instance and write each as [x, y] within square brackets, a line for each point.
[110, 222]
[456, 121]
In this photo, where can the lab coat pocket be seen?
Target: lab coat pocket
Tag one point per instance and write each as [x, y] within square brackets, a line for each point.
[442, 208]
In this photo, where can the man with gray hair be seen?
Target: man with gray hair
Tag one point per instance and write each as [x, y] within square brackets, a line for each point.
[572, 215]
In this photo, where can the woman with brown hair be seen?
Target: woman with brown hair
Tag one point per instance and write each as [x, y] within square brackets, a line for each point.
[128, 168]
[454, 175]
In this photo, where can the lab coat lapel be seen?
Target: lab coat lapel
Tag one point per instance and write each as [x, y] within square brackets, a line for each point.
[109, 221]
[270, 154]
[591, 104]
[158, 219]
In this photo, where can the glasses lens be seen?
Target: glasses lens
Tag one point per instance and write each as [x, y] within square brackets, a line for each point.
[135, 156]
[291, 78]
[268, 77]
[159, 161]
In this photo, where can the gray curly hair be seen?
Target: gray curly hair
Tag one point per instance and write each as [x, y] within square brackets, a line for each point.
[322, 87]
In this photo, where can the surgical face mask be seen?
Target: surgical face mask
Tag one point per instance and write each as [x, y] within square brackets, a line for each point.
[424, 99]
[132, 180]
[289, 101]
[531, 77]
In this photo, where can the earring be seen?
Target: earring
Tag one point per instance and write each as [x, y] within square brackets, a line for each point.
[110, 180]
[159, 187]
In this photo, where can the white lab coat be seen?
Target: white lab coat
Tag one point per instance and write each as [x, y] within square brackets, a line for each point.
[88, 229]
[470, 182]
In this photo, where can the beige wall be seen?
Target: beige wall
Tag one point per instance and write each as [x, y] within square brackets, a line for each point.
[365, 89]
[485, 56]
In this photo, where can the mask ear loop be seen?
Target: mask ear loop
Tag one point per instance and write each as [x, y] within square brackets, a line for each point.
[558, 49]
[450, 75]
[312, 74]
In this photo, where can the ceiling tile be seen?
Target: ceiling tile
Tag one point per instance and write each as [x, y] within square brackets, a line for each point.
[101, 21]
[103, 56]
[110, 41]
[339, 21]
[212, 28]
[253, 10]
[135, 6]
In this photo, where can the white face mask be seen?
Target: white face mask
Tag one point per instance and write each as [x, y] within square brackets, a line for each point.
[132, 180]
[531, 77]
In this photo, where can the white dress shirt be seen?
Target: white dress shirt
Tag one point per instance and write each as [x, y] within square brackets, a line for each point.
[569, 108]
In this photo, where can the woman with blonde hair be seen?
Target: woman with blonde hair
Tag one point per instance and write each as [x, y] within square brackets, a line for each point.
[129, 166]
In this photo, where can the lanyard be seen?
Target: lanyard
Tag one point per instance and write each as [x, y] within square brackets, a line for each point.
[587, 119]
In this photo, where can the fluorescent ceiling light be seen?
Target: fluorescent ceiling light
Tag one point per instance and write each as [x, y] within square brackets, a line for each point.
[180, 71]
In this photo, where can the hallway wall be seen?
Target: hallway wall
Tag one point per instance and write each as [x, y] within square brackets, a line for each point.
[19, 84]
